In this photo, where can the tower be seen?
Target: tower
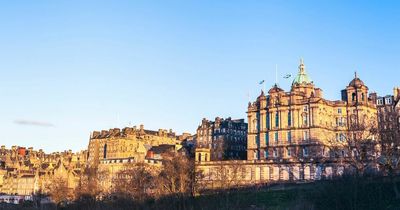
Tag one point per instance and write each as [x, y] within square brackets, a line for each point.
[356, 92]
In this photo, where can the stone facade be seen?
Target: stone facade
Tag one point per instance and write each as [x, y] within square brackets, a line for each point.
[112, 151]
[130, 143]
[290, 135]
[26, 171]
[386, 105]
[299, 124]
[226, 138]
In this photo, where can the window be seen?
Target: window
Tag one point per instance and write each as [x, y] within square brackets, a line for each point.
[265, 153]
[255, 155]
[277, 119]
[353, 96]
[379, 101]
[289, 152]
[276, 137]
[289, 118]
[305, 151]
[267, 121]
[341, 138]
[305, 120]
[257, 141]
[388, 101]
[362, 96]
[339, 121]
[305, 108]
[289, 137]
[275, 152]
[105, 151]
[339, 111]
[305, 135]
[266, 139]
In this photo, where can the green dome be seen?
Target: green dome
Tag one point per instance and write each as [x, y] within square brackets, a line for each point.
[302, 77]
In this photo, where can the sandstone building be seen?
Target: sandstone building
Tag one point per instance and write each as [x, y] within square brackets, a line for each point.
[226, 138]
[291, 135]
[113, 151]
[130, 144]
[300, 123]
[26, 171]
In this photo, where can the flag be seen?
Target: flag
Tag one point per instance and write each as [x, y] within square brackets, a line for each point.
[287, 76]
[261, 82]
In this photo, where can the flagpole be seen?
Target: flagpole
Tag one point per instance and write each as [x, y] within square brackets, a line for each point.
[276, 74]
[264, 87]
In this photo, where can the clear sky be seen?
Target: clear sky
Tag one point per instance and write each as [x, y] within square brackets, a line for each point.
[71, 67]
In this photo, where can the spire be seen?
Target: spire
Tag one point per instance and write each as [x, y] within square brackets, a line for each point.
[355, 74]
[302, 76]
[302, 67]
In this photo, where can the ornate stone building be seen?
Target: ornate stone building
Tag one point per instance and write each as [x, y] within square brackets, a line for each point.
[226, 138]
[299, 124]
[291, 135]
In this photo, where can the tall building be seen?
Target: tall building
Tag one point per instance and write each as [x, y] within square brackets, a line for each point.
[387, 104]
[226, 138]
[299, 124]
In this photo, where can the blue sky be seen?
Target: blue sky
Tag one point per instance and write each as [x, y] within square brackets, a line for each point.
[71, 67]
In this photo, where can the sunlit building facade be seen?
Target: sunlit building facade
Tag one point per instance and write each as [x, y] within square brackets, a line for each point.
[300, 123]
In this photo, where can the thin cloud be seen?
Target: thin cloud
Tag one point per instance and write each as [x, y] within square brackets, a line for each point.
[33, 123]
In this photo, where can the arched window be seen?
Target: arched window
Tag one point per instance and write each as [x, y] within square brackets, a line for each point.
[353, 96]
[305, 119]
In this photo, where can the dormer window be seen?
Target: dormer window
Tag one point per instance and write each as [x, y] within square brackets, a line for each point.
[388, 101]
[379, 102]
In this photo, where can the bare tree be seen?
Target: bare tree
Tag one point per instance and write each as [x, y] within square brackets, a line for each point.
[89, 187]
[355, 146]
[178, 176]
[389, 143]
[59, 191]
[136, 181]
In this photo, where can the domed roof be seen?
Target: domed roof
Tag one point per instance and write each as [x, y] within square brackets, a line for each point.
[302, 77]
[356, 82]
